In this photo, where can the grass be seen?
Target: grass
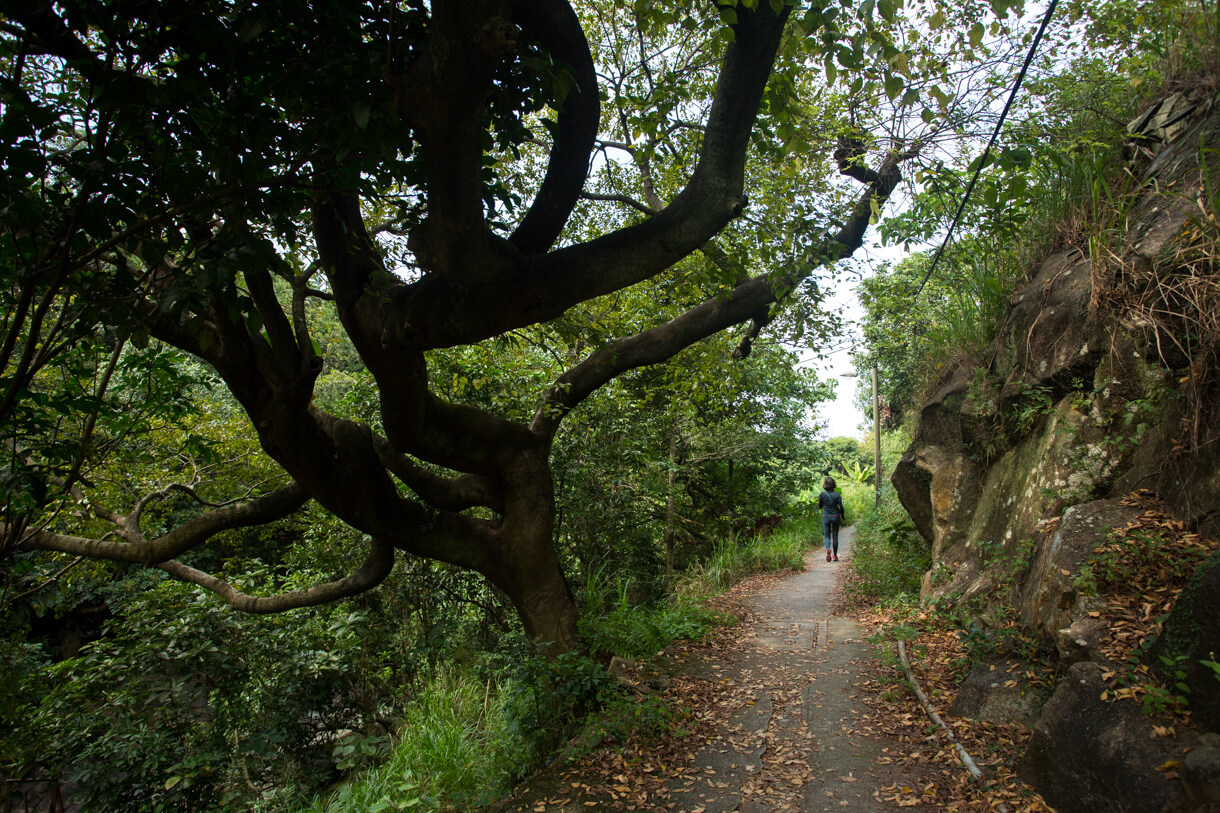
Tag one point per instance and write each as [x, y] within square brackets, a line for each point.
[738, 557]
[888, 555]
[451, 749]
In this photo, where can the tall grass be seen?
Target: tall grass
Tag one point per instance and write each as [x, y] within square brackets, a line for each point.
[858, 499]
[888, 557]
[613, 625]
[453, 748]
[737, 557]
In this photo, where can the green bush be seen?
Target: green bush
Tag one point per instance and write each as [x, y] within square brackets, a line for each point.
[889, 557]
[188, 705]
[453, 748]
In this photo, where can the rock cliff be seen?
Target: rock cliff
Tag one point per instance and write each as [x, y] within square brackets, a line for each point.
[1102, 381]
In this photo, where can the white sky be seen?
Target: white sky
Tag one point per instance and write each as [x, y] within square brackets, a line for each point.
[841, 418]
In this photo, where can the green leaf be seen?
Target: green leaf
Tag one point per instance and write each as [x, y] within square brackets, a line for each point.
[976, 35]
[936, 21]
[893, 86]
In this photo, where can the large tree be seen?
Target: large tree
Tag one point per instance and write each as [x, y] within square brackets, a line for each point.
[207, 174]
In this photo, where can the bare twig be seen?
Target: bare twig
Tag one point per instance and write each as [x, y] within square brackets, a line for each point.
[970, 764]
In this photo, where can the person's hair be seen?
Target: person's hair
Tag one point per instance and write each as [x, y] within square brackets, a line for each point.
[829, 484]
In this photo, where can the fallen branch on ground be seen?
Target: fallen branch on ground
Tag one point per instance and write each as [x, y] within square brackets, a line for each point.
[931, 712]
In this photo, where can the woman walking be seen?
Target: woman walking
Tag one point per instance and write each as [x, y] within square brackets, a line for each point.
[831, 503]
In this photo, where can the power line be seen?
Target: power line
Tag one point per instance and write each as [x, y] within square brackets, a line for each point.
[986, 152]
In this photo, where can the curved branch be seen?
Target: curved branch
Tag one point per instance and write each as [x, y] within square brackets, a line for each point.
[372, 572]
[556, 26]
[258, 511]
[443, 99]
[444, 493]
[517, 292]
[748, 299]
[624, 199]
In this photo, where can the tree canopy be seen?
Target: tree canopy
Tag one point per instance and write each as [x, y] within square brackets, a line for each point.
[324, 206]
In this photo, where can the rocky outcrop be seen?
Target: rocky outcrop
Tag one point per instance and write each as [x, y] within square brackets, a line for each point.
[1015, 471]
[1075, 403]
[1049, 599]
[1192, 639]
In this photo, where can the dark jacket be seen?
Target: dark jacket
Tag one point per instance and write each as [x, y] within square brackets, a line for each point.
[831, 504]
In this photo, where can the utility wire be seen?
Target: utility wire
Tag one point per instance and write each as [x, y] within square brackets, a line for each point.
[1050, 10]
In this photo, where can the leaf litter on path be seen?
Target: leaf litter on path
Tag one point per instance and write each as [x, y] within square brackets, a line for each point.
[767, 725]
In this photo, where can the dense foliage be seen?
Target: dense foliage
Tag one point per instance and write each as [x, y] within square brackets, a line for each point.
[1060, 175]
[314, 307]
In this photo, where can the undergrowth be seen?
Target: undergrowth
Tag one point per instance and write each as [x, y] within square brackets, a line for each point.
[738, 557]
[888, 555]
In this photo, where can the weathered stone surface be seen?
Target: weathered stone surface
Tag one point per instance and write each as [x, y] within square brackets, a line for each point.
[1192, 632]
[1087, 754]
[1063, 339]
[1081, 641]
[999, 693]
[1049, 593]
[935, 479]
[1201, 775]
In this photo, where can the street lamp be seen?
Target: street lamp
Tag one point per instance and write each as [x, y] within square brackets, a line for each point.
[876, 437]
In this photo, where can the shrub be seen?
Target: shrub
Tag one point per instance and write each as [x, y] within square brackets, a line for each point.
[888, 555]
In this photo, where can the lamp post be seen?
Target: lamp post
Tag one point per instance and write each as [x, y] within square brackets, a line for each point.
[876, 437]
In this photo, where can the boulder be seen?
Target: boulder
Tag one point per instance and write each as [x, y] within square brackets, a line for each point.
[1081, 641]
[1087, 754]
[1201, 775]
[998, 693]
[1060, 338]
[1192, 635]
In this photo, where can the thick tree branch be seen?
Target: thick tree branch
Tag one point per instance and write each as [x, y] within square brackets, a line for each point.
[443, 493]
[746, 300]
[556, 26]
[258, 511]
[526, 292]
[416, 422]
[372, 572]
[445, 96]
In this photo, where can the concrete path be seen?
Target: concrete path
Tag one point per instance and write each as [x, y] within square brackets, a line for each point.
[787, 739]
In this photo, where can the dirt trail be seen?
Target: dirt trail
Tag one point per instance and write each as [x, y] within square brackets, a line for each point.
[778, 723]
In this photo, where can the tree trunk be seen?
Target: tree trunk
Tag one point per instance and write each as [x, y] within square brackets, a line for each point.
[528, 570]
[546, 607]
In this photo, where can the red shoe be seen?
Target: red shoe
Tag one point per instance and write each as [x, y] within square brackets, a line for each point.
[827, 556]
[836, 558]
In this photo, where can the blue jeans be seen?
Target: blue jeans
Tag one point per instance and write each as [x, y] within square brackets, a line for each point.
[830, 531]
